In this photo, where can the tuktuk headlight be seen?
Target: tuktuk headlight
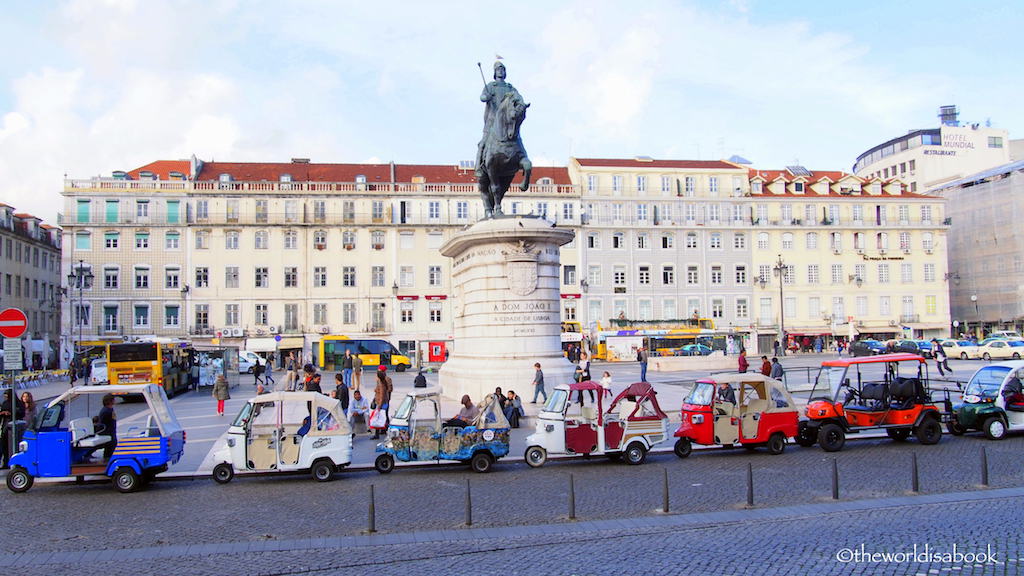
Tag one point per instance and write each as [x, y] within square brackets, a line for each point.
[392, 433]
[697, 418]
[822, 412]
[549, 427]
[231, 442]
[972, 399]
[22, 446]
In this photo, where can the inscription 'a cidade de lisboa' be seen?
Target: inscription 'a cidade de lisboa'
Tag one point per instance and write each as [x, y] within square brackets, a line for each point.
[523, 306]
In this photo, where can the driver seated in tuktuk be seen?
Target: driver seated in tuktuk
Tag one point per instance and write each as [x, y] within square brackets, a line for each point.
[467, 415]
[725, 395]
[1013, 396]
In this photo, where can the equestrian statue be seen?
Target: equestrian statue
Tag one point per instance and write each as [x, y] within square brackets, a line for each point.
[500, 154]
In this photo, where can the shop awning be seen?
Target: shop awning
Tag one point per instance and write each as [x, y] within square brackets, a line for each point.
[931, 326]
[261, 344]
[879, 329]
[291, 342]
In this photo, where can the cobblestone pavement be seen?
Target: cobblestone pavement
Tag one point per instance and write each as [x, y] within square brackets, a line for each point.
[792, 541]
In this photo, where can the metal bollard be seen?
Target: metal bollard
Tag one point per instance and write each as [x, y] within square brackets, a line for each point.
[664, 485]
[750, 485]
[372, 520]
[469, 505]
[572, 498]
[915, 480]
[835, 479]
[984, 466]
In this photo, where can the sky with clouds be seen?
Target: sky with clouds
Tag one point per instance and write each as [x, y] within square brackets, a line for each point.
[92, 86]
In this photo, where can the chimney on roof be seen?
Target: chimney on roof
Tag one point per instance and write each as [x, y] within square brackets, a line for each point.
[392, 166]
[300, 160]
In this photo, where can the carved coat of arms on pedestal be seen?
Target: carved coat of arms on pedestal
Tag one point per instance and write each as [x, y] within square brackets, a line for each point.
[521, 268]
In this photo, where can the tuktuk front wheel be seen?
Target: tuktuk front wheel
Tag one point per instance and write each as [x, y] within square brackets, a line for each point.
[994, 428]
[19, 480]
[683, 447]
[536, 456]
[831, 437]
[384, 463]
[955, 428]
[635, 454]
[776, 443]
[223, 473]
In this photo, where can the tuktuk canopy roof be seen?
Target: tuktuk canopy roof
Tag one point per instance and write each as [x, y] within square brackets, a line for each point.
[156, 401]
[320, 404]
[585, 385]
[640, 391]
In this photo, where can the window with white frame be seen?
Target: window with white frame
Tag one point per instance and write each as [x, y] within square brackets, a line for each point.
[692, 277]
[594, 240]
[231, 315]
[320, 276]
[291, 317]
[202, 277]
[616, 184]
[172, 278]
[741, 274]
[858, 214]
[141, 277]
[883, 273]
[837, 274]
[691, 239]
[862, 306]
[668, 241]
[262, 277]
[715, 241]
[926, 214]
[407, 310]
[927, 241]
[860, 271]
[461, 210]
[811, 240]
[762, 241]
[568, 212]
[172, 315]
[904, 240]
[592, 182]
[594, 274]
[348, 313]
[377, 239]
[291, 240]
[261, 314]
[142, 208]
[742, 308]
[320, 239]
[690, 186]
[764, 272]
[690, 211]
[643, 240]
[838, 307]
[231, 276]
[739, 241]
[616, 212]
[644, 274]
[787, 241]
[434, 275]
[644, 309]
[261, 240]
[619, 275]
[172, 240]
[641, 212]
[814, 307]
[434, 210]
[319, 313]
[717, 308]
[641, 183]
[406, 276]
[141, 315]
[813, 274]
[377, 276]
[348, 239]
[666, 185]
[435, 309]
[618, 240]
[908, 305]
[231, 240]
[291, 277]
[713, 185]
[716, 274]
[929, 272]
[906, 273]
[348, 276]
[714, 212]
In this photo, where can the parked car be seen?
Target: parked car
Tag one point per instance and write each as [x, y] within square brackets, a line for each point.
[1002, 350]
[1012, 334]
[695, 350]
[913, 347]
[962, 349]
[866, 347]
[992, 402]
[246, 361]
[98, 372]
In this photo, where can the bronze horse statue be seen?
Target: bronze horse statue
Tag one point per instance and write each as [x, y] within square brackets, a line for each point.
[503, 154]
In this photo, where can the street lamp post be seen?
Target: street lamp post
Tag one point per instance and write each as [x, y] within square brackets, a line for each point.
[84, 276]
[977, 315]
[779, 269]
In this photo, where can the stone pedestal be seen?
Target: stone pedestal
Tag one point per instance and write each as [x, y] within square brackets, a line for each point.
[506, 306]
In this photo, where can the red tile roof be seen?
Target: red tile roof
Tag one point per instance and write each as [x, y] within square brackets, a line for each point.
[26, 216]
[163, 168]
[303, 172]
[634, 163]
[833, 176]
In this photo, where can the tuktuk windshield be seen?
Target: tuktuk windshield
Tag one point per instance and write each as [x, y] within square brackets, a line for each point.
[158, 404]
[405, 410]
[701, 395]
[556, 402]
[986, 382]
[828, 381]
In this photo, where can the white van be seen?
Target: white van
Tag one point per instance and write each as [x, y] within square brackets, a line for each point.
[98, 372]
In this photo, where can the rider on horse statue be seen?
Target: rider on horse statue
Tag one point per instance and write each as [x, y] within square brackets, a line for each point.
[500, 154]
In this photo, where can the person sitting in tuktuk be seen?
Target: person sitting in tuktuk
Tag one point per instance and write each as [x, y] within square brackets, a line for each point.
[304, 429]
[1013, 395]
[726, 393]
[467, 415]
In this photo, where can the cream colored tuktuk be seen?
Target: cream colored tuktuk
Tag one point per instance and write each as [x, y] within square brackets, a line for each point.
[287, 432]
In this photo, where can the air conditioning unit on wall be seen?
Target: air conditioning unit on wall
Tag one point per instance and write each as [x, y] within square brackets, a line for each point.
[325, 329]
[274, 329]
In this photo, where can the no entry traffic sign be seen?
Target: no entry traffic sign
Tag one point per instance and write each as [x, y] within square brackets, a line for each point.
[13, 323]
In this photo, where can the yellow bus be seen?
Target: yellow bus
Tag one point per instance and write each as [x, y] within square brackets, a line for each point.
[165, 364]
[373, 352]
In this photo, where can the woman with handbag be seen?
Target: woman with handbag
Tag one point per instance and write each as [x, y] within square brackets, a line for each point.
[382, 397]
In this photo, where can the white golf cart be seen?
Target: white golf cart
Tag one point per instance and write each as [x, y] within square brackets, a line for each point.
[287, 432]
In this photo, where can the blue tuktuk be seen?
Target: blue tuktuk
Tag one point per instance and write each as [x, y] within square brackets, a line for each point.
[64, 441]
[417, 434]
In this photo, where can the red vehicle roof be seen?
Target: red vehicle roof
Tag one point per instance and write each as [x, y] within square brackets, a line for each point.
[898, 357]
[639, 389]
[585, 385]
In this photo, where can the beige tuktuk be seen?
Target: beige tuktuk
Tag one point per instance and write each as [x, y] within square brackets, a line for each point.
[287, 432]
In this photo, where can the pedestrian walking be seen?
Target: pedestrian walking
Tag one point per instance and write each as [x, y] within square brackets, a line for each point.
[642, 356]
[221, 393]
[742, 361]
[357, 371]
[346, 367]
[291, 375]
[777, 371]
[941, 358]
[382, 396]
[257, 372]
[606, 383]
[839, 347]
[268, 374]
[538, 384]
[776, 346]
[341, 393]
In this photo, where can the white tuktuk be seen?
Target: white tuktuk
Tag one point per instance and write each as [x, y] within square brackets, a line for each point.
[287, 432]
